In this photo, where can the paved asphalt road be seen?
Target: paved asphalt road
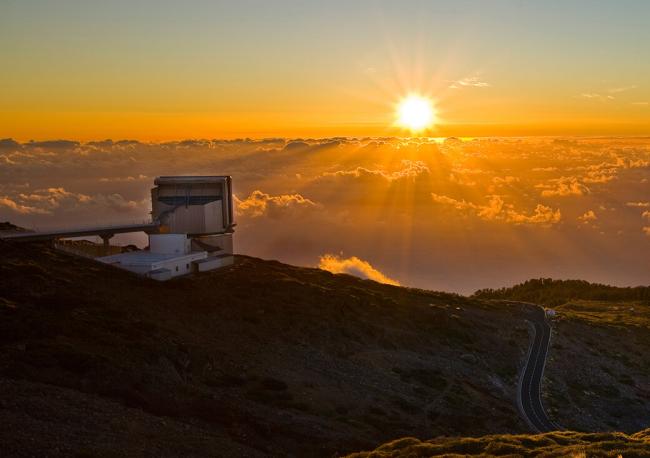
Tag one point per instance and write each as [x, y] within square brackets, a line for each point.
[529, 395]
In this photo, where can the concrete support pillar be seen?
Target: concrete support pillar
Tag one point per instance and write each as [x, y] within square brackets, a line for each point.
[106, 250]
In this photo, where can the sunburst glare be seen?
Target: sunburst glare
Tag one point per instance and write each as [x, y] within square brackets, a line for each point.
[415, 113]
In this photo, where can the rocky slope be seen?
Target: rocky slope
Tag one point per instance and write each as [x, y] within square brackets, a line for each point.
[259, 359]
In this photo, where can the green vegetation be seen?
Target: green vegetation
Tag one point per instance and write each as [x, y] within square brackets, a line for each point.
[554, 444]
[547, 291]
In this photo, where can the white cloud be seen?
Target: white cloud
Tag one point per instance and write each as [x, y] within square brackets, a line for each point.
[118, 203]
[637, 204]
[588, 216]
[608, 95]
[53, 198]
[411, 169]
[472, 81]
[50, 200]
[353, 266]
[507, 180]
[498, 210]
[596, 96]
[259, 203]
[544, 169]
[562, 187]
[618, 90]
[21, 209]
[129, 178]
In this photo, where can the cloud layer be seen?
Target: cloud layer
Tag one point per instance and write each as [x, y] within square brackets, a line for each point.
[259, 203]
[451, 214]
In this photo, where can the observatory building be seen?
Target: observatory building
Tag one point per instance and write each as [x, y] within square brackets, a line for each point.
[191, 229]
[194, 219]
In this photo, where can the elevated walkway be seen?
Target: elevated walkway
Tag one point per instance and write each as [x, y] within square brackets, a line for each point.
[105, 232]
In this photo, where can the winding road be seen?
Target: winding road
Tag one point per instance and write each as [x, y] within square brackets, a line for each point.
[529, 398]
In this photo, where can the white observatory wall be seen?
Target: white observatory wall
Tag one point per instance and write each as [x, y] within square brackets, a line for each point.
[213, 214]
[170, 244]
[141, 269]
[189, 220]
[197, 219]
[181, 265]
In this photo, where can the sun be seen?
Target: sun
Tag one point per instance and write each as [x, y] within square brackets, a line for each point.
[415, 113]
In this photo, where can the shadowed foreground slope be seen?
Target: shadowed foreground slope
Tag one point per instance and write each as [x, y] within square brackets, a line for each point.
[254, 360]
[555, 444]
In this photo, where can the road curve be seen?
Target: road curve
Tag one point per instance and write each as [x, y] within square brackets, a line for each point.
[529, 392]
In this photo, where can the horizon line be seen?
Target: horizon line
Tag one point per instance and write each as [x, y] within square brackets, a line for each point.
[22, 141]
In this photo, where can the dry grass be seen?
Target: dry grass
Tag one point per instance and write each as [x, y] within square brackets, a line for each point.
[611, 313]
[549, 445]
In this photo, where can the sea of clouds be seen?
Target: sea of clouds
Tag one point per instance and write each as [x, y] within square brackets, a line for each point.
[452, 215]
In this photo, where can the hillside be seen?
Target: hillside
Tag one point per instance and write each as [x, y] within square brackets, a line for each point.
[598, 373]
[549, 445]
[547, 291]
[597, 379]
[259, 359]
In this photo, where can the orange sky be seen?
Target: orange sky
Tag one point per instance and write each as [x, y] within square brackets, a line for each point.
[170, 126]
[92, 70]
